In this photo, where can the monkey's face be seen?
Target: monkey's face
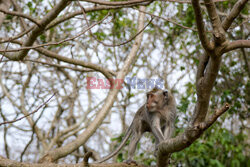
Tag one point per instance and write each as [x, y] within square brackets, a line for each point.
[156, 99]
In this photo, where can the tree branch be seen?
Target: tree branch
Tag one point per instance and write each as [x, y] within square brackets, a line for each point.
[112, 45]
[233, 14]
[19, 14]
[236, 45]
[246, 60]
[200, 26]
[8, 122]
[189, 1]
[186, 138]
[218, 31]
[54, 43]
[107, 73]
[12, 163]
[119, 3]
[87, 10]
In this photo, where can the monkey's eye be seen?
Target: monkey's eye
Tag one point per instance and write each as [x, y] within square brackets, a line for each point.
[165, 93]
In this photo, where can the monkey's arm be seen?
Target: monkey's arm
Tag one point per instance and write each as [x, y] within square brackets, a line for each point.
[127, 135]
[156, 127]
[170, 128]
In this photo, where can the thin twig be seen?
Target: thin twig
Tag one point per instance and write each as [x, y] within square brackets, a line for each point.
[7, 122]
[60, 66]
[112, 45]
[169, 20]
[20, 15]
[17, 36]
[4, 52]
[55, 43]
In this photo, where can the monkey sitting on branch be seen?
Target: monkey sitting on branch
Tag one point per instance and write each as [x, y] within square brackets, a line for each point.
[157, 116]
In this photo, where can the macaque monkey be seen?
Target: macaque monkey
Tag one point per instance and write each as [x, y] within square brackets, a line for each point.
[156, 116]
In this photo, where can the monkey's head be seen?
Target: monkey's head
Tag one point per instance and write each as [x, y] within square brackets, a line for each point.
[157, 99]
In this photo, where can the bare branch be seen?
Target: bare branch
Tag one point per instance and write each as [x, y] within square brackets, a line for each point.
[246, 60]
[19, 14]
[112, 45]
[233, 14]
[60, 66]
[236, 45]
[8, 122]
[4, 4]
[200, 26]
[119, 3]
[189, 1]
[9, 163]
[17, 36]
[169, 20]
[107, 73]
[87, 10]
[86, 158]
[203, 61]
[54, 43]
[218, 31]
[4, 52]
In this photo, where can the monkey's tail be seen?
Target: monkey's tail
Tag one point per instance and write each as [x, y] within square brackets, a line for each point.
[127, 135]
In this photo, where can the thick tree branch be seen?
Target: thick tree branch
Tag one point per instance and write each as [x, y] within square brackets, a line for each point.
[105, 72]
[6, 5]
[209, 63]
[218, 31]
[200, 26]
[204, 88]
[203, 61]
[233, 14]
[12, 163]
[236, 45]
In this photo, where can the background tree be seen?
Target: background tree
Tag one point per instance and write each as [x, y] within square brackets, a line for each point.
[48, 49]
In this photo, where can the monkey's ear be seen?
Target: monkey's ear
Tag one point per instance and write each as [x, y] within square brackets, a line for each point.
[165, 93]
